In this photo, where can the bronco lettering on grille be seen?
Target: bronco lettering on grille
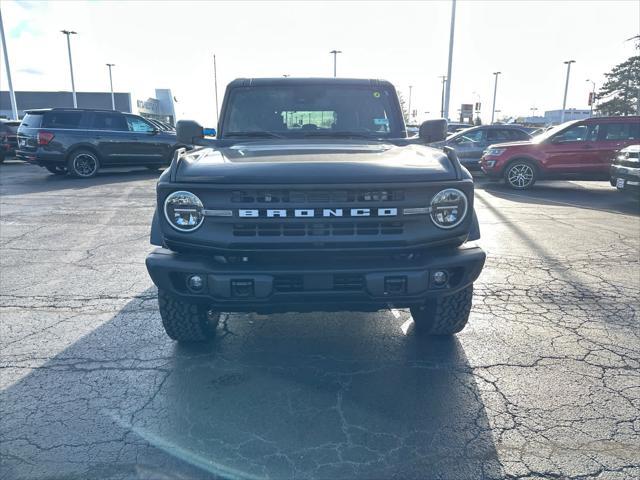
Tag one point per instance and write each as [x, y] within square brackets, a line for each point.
[316, 212]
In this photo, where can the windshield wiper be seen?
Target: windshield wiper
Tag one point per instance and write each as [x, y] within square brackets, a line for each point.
[340, 135]
[257, 133]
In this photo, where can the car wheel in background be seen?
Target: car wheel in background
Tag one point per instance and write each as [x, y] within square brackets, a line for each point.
[520, 174]
[83, 164]
[56, 169]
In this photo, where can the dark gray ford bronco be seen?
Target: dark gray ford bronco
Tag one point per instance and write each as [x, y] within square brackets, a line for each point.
[312, 198]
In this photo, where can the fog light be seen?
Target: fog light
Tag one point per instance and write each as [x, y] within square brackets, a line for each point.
[195, 282]
[440, 278]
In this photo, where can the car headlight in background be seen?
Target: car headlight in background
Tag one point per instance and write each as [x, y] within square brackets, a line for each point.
[448, 208]
[184, 211]
[494, 152]
[490, 163]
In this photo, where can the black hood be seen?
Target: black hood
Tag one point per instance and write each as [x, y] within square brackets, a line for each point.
[318, 161]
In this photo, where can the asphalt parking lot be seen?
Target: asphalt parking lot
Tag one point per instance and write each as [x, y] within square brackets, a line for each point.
[543, 383]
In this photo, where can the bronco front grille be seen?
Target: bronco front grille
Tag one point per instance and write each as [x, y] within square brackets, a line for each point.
[316, 196]
[338, 282]
[315, 229]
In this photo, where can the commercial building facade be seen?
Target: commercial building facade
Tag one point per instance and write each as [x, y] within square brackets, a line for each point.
[160, 108]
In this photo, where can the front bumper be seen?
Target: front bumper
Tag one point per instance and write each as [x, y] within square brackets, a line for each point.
[353, 284]
[625, 178]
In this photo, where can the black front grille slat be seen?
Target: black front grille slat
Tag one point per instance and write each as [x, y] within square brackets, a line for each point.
[316, 229]
[315, 196]
[288, 283]
[348, 282]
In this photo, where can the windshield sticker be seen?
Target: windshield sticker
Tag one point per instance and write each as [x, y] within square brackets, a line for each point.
[376, 94]
[381, 121]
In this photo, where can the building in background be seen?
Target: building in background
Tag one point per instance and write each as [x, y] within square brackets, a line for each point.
[553, 116]
[159, 108]
[31, 100]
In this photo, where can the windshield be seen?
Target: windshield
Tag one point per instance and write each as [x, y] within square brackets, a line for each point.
[539, 138]
[312, 111]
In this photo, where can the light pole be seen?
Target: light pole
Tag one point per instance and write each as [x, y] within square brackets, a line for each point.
[215, 85]
[495, 91]
[451, 32]
[593, 96]
[533, 111]
[68, 33]
[566, 89]
[113, 98]
[410, 88]
[335, 56]
[444, 81]
[12, 94]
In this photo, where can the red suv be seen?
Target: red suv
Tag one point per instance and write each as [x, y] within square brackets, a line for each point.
[578, 150]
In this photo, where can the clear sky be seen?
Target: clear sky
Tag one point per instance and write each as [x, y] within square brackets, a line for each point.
[168, 44]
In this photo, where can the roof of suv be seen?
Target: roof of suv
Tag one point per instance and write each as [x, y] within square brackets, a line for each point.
[629, 118]
[246, 82]
[45, 110]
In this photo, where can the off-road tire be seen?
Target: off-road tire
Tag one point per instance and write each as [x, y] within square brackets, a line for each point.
[56, 169]
[77, 159]
[186, 322]
[520, 175]
[443, 315]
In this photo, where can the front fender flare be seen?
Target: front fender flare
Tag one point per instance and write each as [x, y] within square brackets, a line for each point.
[156, 232]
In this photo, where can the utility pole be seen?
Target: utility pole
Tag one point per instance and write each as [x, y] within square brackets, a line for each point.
[495, 91]
[335, 55]
[410, 88]
[451, 32]
[533, 111]
[12, 94]
[215, 85]
[68, 33]
[444, 81]
[593, 96]
[113, 98]
[566, 89]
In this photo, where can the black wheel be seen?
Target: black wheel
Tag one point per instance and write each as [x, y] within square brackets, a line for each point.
[520, 175]
[186, 322]
[56, 169]
[443, 315]
[83, 164]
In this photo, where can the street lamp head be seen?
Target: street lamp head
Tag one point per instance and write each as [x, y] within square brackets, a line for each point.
[335, 51]
[497, 73]
[569, 62]
[68, 32]
[110, 64]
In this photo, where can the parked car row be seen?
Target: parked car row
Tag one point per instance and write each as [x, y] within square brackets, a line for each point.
[578, 150]
[79, 142]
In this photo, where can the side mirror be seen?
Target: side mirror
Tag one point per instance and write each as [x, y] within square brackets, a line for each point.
[189, 132]
[433, 130]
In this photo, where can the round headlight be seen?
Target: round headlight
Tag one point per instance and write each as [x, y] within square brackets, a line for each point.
[448, 208]
[184, 211]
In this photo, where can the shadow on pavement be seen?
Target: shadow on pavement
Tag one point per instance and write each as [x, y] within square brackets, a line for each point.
[343, 395]
[566, 193]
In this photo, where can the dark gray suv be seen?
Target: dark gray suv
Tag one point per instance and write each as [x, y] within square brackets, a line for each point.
[470, 143]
